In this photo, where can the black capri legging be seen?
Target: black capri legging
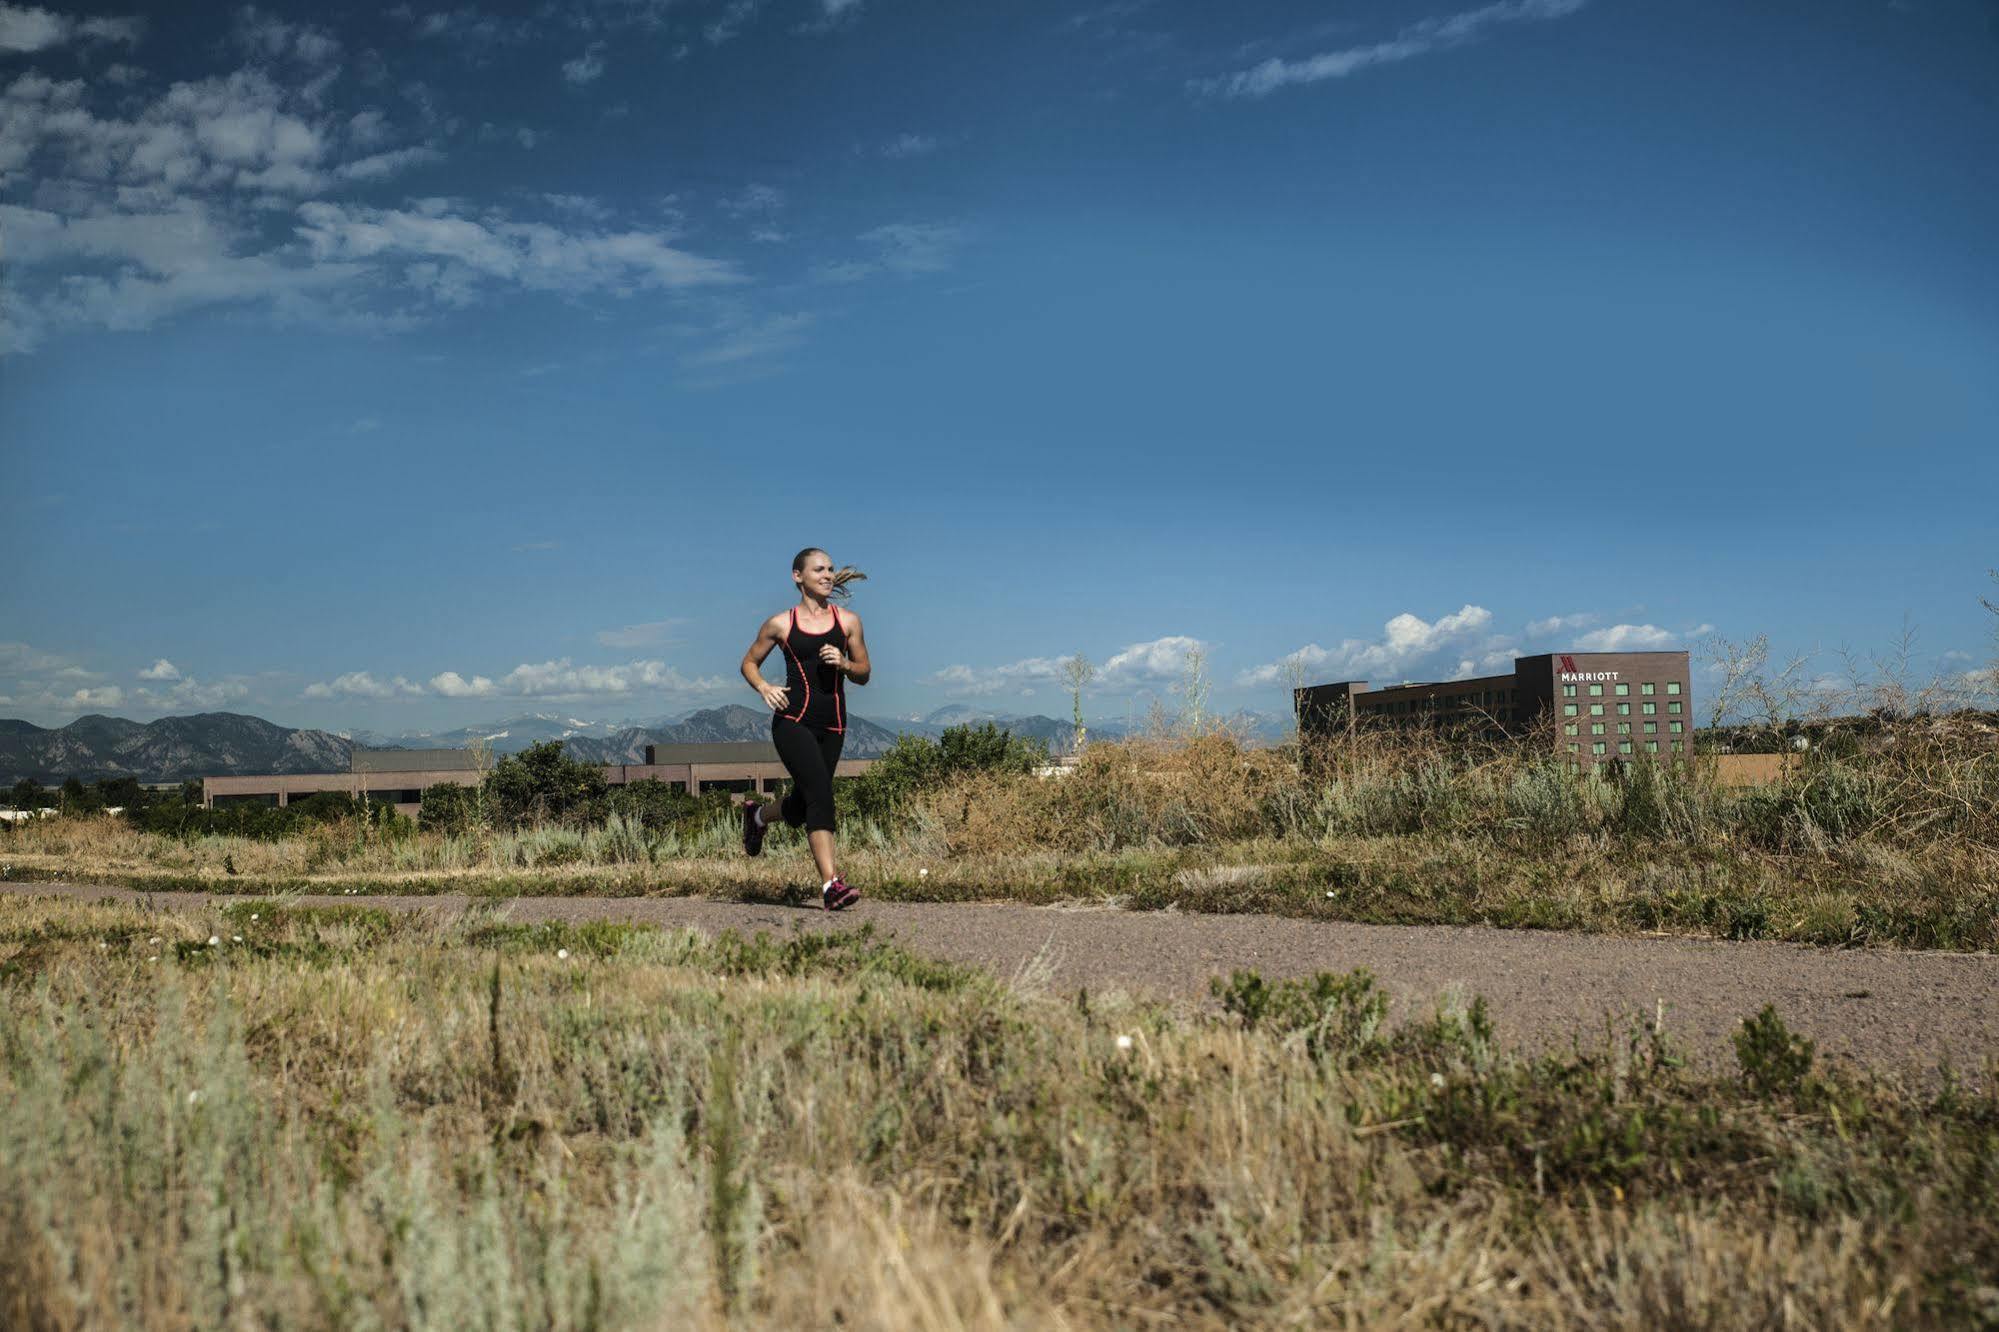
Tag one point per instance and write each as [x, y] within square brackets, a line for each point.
[810, 754]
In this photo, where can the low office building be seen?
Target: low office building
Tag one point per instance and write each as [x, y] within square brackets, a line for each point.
[398, 776]
[1596, 705]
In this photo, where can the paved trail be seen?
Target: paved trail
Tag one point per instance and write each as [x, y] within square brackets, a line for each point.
[1900, 1011]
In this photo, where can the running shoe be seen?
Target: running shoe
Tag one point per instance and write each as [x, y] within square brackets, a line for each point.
[837, 896]
[753, 831]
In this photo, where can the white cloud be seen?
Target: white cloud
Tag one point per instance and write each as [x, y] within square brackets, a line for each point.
[1557, 624]
[360, 684]
[1159, 661]
[586, 68]
[557, 679]
[167, 207]
[449, 257]
[190, 693]
[561, 679]
[1627, 638]
[28, 28]
[906, 248]
[1276, 672]
[1406, 640]
[730, 22]
[582, 205]
[110, 696]
[161, 669]
[18, 658]
[270, 37]
[451, 684]
[467, 26]
[909, 145]
[753, 201]
[736, 338]
[1022, 676]
[1417, 40]
[650, 634]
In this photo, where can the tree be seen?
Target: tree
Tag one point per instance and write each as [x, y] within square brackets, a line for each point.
[1078, 671]
[27, 794]
[541, 782]
[1194, 690]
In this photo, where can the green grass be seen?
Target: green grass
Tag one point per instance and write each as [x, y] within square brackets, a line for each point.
[353, 1117]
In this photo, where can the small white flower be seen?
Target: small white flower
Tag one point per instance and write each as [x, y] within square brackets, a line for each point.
[193, 1096]
[236, 938]
[1332, 892]
[214, 942]
[154, 958]
[923, 874]
[1436, 1079]
[155, 939]
[253, 915]
[1124, 1042]
[562, 952]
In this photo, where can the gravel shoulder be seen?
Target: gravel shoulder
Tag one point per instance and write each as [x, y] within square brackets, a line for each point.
[1895, 1011]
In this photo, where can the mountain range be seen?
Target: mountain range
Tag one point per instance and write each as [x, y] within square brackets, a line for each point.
[215, 744]
[172, 749]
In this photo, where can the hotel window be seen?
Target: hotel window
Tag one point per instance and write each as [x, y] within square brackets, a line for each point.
[1598, 748]
[1649, 709]
[1672, 686]
[1651, 728]
[1645, 688]
[1569, 729]
[1624, 728]
[1676, 727]
[1596, 728]
[1575, 749]
[1596, 691]
[1674, 707]
[1624, 746]
[1569, 709]
[1651, 746]
[1623, 691]
[1624, 709]
[1596, 709]
[1568, 691]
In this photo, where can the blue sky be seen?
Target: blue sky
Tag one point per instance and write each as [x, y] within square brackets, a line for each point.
[401, 367]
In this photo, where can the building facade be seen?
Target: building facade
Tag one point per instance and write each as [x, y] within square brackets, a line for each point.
[398, 776]
[1597, 706]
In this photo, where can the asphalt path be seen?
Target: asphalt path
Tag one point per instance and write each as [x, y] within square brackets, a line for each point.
[1893, 1010]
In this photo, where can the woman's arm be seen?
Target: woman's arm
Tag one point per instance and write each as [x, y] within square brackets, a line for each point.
[753, 660]
[858, 665]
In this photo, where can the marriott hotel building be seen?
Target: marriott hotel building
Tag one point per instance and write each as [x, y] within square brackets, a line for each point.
[1602, 705]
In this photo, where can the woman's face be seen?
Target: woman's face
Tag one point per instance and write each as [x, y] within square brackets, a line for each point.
[817, 575]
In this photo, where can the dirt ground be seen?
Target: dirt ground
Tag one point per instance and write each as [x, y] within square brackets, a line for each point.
[1895, 1011]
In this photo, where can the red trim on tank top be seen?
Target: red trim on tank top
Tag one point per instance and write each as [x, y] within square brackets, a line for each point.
[839, 677]
[802, 678]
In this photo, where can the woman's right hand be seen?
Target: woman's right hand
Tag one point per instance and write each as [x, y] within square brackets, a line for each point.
[775, 695]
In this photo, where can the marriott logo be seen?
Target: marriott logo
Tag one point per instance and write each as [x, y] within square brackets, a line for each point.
[1570, 675]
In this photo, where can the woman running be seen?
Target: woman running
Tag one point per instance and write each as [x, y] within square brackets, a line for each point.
[823, 649]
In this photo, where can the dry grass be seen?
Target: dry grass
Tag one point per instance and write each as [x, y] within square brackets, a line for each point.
[1898, 842]
[351, 1118]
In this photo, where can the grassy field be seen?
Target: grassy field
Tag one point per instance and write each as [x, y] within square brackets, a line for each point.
[1891, 843]
[269, 1115]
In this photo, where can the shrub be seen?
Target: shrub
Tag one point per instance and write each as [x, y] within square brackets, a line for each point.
[914, 763]
[541, 782]
[448, 808]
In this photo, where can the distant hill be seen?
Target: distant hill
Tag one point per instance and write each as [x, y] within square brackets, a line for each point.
[220, 744]
[171, 749]
[865, 739]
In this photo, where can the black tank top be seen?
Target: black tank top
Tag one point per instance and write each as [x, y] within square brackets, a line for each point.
[817, 691]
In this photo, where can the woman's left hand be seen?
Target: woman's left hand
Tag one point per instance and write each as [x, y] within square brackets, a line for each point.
[833, 657]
